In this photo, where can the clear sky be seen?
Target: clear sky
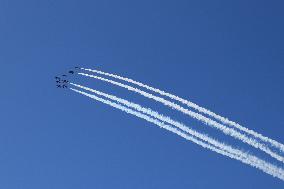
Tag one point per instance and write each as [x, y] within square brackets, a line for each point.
[224, 55]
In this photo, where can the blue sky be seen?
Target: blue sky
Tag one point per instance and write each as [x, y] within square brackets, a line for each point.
[224, 55]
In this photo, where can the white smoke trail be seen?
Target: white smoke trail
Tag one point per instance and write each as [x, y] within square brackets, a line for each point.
[243, 157]
[224, 120]
[153, 114]
[229, 131]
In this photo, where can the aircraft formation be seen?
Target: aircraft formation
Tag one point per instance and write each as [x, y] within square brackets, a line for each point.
[245, 135]
[61, 81]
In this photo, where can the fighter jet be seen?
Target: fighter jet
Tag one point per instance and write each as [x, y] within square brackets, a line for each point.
[62, 86]
[76, 67]
[62, 82]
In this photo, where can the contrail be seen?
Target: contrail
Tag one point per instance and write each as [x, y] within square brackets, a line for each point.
[229, 131]
[243, 157]
[155, 115]
[224, 120]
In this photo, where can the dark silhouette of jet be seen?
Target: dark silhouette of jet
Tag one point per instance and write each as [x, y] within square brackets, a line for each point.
[62, 82]
[76, 67]
[62, 86]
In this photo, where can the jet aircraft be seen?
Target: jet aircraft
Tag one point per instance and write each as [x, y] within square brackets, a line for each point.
[62, 82]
